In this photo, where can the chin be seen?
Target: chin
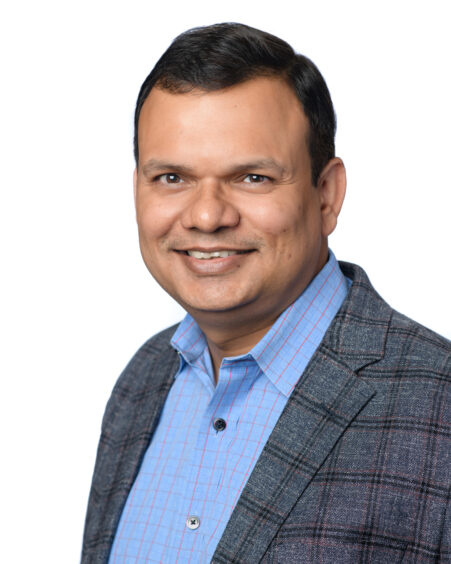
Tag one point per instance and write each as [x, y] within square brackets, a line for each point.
[213, 303]
[214, 306]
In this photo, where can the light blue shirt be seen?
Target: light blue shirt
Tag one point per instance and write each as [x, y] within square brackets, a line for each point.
[195, 469]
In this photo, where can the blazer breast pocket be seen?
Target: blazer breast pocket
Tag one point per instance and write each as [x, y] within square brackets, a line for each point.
[333, 548]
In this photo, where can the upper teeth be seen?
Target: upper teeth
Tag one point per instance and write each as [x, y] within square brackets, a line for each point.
[214, 254]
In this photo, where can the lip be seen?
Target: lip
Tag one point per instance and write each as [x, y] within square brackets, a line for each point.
[214, 266]
[213, 249]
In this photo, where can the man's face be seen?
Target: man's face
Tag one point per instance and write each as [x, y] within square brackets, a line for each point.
[229, 221]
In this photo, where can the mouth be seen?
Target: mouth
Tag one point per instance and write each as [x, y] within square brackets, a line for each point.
[208, 262]
[207, 255]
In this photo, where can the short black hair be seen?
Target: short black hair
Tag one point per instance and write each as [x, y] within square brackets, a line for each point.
[222, 55]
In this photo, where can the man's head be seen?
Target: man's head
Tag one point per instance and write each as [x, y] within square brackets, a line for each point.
[232, 223]
[219, 56]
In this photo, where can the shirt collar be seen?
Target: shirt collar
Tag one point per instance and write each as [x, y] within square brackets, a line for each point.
[286, 349]
[189, 340]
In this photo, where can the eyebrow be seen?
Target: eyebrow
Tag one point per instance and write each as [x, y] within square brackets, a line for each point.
[259, 164]
[153, 165]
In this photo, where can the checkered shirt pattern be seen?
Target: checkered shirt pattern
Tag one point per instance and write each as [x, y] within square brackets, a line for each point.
[192, 469]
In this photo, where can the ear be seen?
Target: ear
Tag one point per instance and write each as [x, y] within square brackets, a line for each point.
[332, 189]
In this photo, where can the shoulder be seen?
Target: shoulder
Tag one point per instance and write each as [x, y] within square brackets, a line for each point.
[413, 375]
[148, 374]
[417, 346]
[366, 321]
[157, 348]
[406, 364]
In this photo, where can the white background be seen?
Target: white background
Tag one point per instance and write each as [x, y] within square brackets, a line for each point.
[76, 300]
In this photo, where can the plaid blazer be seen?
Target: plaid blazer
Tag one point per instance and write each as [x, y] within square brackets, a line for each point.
[356, 469]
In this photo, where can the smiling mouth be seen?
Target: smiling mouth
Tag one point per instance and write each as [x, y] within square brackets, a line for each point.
[202, 255]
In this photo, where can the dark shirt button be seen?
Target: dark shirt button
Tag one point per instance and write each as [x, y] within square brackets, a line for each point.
[219, 424]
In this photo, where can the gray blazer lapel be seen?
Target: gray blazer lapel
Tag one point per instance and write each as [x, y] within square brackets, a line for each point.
[318, 412]
[130, 419]
[328, 396]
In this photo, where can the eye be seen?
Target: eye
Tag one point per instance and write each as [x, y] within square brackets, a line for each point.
[169, 178]
[255, 178]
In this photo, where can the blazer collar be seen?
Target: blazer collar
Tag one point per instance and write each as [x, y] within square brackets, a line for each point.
[327, 398]
[359, 331]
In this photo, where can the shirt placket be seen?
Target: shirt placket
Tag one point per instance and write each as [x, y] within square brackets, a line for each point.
[217, 430]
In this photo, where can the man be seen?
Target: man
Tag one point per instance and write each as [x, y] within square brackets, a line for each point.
[292, 416]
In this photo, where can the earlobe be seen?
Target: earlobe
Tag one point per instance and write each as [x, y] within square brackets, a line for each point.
[332, 190]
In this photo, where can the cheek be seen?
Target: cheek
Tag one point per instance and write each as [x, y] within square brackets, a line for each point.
[291, 230]
[155, 220]
[279, 219]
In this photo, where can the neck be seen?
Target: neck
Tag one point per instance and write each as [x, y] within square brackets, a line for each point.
[230, 333]
[236, 346]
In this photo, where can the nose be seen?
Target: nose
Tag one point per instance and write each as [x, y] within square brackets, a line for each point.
[209, 209]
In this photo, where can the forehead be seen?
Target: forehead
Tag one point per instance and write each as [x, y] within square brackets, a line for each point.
[262, 115]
